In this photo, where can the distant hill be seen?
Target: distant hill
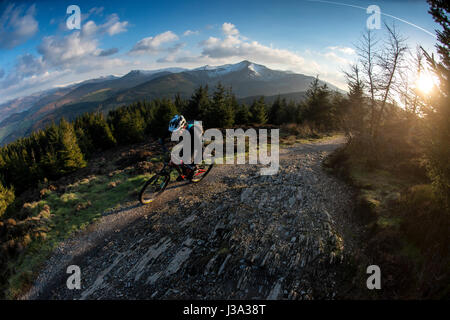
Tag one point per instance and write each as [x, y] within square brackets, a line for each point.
[248, 80]
[293, 96]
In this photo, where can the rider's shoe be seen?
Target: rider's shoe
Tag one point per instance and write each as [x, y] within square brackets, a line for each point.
[192, 170]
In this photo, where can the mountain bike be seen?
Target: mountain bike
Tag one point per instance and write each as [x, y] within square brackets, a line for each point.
[159, 182]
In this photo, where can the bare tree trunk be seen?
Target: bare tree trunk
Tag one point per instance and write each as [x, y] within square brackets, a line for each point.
[367, 54]
[389, 62]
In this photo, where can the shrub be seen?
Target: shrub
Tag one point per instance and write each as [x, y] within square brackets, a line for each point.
[6, 198]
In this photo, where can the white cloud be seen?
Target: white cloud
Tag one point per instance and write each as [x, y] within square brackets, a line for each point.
[190, 33]
[17, 26]
[234, 47]
[67, 51]
[96, 10]
[75, 53]
[153, 45]
[173, 52]
[346, 50]
[229, 29]
[26, 65]
[89, 28]
[112, 26]
[333, 56]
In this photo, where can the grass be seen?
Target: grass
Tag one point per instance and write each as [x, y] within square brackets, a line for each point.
[98, 95]
[389, 222]
[15, 126]
[404, 228]
[378, 189]
[287, 140]
[81, 204]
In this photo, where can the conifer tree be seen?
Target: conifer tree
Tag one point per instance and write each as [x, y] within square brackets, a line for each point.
[275, 112]
[258, 111]
[438, 152]
[242, 115]
[318, 107]
[163, 113]
[94, 133]
[180, 103]
[69, 154]
[220, 112]
[198, 104]
[6, 198]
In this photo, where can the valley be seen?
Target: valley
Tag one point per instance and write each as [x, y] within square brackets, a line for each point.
[247, 80]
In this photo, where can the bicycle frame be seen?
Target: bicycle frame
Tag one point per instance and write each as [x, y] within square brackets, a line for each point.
[170, 165]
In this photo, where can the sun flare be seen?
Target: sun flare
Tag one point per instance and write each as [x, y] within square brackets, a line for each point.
[425, 82]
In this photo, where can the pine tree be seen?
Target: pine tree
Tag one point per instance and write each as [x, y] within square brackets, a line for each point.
[275, 111]
[242, 115]
[198, 104]
[69, 153]
[163, 113]
[290, 113]
[318, 107]
[50, 145]
[180, 103]
[353, 111]
[258, 111]
[84, 141]
[127, 124]
[220, 112]
[94, 133]
[6, 198]
[232, 100]
[438, 152]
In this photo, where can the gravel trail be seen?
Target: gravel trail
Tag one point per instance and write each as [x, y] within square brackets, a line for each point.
[235, 235]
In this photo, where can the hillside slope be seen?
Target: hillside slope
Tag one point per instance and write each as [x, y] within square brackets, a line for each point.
[246, 79]
[236, 235]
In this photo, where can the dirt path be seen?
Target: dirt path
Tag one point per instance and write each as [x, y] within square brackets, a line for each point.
[236, 235]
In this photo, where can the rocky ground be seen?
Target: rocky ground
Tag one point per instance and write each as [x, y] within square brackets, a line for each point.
[235, 235]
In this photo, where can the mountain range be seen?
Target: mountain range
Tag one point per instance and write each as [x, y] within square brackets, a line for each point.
[248, 80]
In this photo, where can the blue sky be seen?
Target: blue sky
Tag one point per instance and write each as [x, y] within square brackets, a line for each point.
[38, 52]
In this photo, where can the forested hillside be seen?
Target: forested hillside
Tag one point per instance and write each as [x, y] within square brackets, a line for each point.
[247, 79]
[65, 147]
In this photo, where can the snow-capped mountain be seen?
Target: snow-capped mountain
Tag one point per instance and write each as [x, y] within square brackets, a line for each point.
[254, 70]
[150, 72]
[247, 79]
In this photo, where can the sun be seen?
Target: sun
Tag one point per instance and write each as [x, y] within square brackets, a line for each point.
[425, 82]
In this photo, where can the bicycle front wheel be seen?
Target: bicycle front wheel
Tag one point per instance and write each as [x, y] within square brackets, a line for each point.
[153, 188]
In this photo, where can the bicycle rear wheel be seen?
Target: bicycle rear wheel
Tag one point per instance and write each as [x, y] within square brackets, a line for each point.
[153, 188]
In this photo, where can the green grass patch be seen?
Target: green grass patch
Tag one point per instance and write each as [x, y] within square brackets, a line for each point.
[289, 140]
[389, 222]
[405, 227]
[82, 204]
[412, 252]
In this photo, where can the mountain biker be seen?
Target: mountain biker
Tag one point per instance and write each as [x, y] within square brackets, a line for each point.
[178, 122]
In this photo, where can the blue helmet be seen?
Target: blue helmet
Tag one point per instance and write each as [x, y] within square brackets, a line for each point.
[177, 122]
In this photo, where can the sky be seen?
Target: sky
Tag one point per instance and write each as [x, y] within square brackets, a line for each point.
[313, 37]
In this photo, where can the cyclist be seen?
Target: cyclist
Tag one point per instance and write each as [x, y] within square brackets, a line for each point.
[178, 122]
